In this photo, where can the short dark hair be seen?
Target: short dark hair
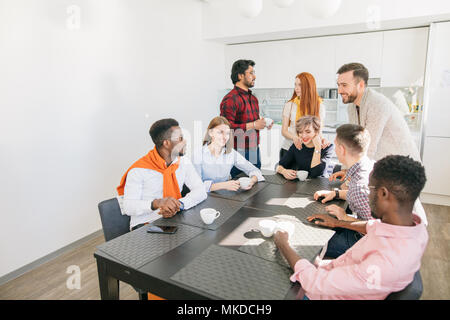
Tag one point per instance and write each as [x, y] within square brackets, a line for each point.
[359, 71]
[239, 67]
[160, 130]
[401, 175]
[354, 137]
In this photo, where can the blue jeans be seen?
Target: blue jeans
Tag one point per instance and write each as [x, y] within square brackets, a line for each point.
[342, 240]
[253, 155]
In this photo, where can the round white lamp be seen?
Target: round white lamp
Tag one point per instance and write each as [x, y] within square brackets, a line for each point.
[250, 8]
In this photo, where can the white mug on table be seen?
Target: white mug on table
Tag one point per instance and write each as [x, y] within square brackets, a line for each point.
[245, 182]
[302, 175]
[208, 215]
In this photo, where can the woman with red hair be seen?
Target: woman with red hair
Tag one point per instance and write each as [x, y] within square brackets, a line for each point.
[305, 101]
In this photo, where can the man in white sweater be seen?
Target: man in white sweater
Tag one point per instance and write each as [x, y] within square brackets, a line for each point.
[388, 130]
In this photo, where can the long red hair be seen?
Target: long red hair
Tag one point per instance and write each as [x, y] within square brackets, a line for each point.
[310, 100]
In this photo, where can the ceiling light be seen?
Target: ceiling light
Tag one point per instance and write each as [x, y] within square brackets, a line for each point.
[250, 8]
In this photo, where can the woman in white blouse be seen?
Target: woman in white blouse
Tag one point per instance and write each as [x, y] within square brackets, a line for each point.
[214, 160]
[305, 101]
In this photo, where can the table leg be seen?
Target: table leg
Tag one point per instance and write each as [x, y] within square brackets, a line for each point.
[109, 286]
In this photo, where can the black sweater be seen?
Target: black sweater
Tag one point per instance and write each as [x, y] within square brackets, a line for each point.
[301, 159]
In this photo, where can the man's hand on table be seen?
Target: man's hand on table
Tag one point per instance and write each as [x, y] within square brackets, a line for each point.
[336, 211]
[281, 241]
[280, 237]
[323, 220]
[327, 195]
[340, 174]
[168, 206]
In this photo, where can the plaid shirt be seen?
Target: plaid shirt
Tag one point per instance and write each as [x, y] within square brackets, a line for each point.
[241, 107]
[358, 188]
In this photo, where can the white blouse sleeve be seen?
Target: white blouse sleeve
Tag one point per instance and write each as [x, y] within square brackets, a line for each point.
[246, 166]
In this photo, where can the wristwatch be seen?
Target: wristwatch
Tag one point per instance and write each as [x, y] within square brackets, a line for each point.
[337, 193]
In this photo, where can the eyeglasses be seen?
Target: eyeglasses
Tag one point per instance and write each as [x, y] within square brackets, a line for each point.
[175, 139]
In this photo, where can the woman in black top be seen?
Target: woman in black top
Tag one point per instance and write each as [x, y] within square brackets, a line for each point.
[311, 157]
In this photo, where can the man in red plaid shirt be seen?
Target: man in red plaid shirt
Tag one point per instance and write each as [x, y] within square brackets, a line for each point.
[241, 109]
[351, 144]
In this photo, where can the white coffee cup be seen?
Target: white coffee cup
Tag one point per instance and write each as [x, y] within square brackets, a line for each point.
[268, 122]
[285, 226]
[208, 215]
[245, 182]
[267, 227]
[302, 175]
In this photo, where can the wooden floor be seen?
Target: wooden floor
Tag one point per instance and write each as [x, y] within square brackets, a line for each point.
[49, 280]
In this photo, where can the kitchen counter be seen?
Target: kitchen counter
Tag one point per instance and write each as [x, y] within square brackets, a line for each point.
[327, 129]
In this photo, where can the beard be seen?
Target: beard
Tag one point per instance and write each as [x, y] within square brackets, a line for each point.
[177, 152]
[373, 207]
[350, 98]
[250, 84]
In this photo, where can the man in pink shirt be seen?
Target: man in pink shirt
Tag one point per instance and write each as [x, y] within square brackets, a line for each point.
[387, 257]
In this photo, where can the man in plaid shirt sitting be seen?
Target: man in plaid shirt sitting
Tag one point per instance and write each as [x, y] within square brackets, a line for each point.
[241, 109]
[351, 144]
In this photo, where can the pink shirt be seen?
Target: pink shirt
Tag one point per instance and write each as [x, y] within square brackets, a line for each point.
[383, 261]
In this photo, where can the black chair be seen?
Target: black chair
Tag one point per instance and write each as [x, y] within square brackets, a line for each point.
[413, 291]
[114, 225]
[113, 222]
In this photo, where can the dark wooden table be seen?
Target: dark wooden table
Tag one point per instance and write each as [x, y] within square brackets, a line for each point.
[155, 275]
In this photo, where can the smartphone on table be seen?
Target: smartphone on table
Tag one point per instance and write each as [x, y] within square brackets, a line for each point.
[162, 229]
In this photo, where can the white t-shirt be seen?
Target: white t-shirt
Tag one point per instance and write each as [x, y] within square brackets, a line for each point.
[290, 111]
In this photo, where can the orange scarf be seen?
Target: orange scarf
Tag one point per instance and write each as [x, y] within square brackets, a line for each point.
[154, 161]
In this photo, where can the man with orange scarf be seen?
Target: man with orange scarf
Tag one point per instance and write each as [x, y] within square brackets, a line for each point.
[152, 186]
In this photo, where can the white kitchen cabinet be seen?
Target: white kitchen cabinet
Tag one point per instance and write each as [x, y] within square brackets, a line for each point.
[270, 63]
[397, 57]
[278, 62]
[274, 68]
[435, 159]
[365, 48]
[437, 90]
[404, 57]
[316, 56]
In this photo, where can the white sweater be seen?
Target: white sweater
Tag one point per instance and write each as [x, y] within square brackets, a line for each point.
[389, 133]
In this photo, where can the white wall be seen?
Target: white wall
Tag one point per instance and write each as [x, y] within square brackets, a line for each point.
[222, 20]
[76, 106]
